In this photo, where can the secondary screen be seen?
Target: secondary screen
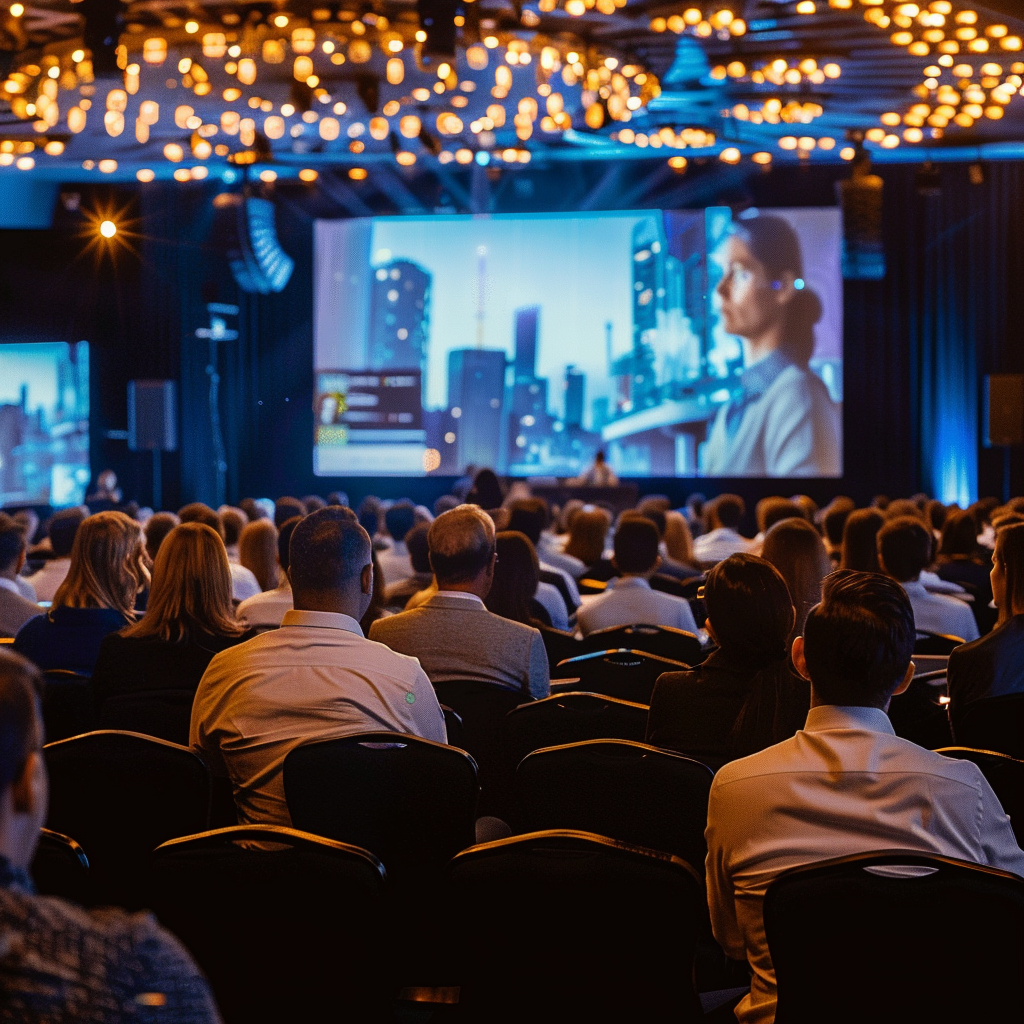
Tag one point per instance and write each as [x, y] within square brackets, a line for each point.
[679, 344]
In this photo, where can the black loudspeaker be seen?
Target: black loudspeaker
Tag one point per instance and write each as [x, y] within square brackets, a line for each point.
[1004, 409]
[152, 421]
[244, 228]
[860, 199]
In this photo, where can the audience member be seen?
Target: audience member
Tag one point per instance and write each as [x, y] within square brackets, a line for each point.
[61, 533]
[767, 513]
[795, 548]
[722, 539]
[267, 608]
[959, 556]
[28, 520]
[834, 523]
[315, 678]
[668, 566]
[105, 573]
[233, 521]
[588, 535]
[395, 562]
[376, 608]
[845, 784]
[679, 539]
[629, 599]
[257, 551]
[744, 696]
[860, 540]
[338, 498]
[904, 551]
[60, 961]
[156, 530]
[312, 503]
[516, 578]
[371, 518]
[398, 594]
[243, 583]
[189, 618]
[994, 665]
[15, 610]
[253, 509]
[486, 491]
[531, 517]
[287, 508]
[453, 634]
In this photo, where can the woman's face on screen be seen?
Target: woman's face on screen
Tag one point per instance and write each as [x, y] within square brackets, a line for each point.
[748, 303]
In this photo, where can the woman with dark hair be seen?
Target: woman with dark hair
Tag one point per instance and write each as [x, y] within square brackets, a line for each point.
[588, 535]
[516, 576]
[782, 421]
[486, 491]
[796, 549]
[257, 551]
[860, 540]
[745, 696]
[958, 560]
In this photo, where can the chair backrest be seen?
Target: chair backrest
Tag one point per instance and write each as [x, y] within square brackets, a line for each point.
[165, 714]
[120, 795]
[895, 936]
[571, 718]
[579, 925]
[559, 646]
[664, 641]
[1005, 775]
[453, 728]
[410, 801]
[625, 674]
[68, 705]
[627, 791]
[919, 715]
[935, 643]
[993, 723]
[290, 933]
[60, 867]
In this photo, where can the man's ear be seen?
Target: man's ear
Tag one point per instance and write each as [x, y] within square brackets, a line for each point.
[799, 658]
[908, 678]
[366, 579]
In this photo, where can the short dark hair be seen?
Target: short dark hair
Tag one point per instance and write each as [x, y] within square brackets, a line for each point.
[635, 544]
[728, 510]
[461, 544]
[12, 542]
[959, 535]
[327, 551]
[62, 529]
[400, 518]
[313, 502]
[287, 508]
[156, 529]
[197, 512]
[284, 539]
[337, 498]
[835, 523]
[234, 521]
[859, 640]
[656, 516]
[20, 720]
[904, 547]
[419, 547]
[529, 516]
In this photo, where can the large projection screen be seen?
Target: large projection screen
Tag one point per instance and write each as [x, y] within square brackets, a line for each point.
[680, 344]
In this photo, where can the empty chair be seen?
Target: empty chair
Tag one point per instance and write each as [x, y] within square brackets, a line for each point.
[895, 937]
[1005, 775]
[291, 933]
[571, 718]
[993, 723]
[664, 641]
[569, 926]
[120, 795]
[559, 645]
[161, 713]
[627, 791]
[935, 643]
[625, 674]
[60, 867]
[68, 704]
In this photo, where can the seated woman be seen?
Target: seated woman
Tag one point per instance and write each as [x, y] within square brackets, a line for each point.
[796, 549]
[188, 620]
[860, 540]
[994, 665]
[106, 572]
[516, 577]
[745, 696]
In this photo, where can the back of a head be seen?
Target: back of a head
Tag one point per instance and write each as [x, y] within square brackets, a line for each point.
[678, 538]
[516, 576]
[400, 519]
[12, 542]
[652, 502]
[588, 535]
[338, 498]
[369, 515]
[959, 536]
[936, 514]
[904, 548]
[860, 540]
[656, 516]
[287, 508]
[807, 505]
[197, 512]
[727, 510]
[902, 507]
[252, 508]
[419, 547]
[105, 569]
[858, 642]
[156, 529]
[461, 544]
[328, 552]
[20, 722]
[795, 548]
[635, 545]
[62, 529]
[284, 539]
[445, 504]
[233, 521]
[770, 511]
[529, 516]
[313, 502]
[257, 551]
[835, 523]
[486, 490]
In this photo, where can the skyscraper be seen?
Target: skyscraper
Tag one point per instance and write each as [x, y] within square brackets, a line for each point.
[399, 317]
[476, 396]
[575, 385]
[527, 328]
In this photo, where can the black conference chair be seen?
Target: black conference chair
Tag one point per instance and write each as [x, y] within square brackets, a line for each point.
[624, 674]
[993, 723]
[68, 704]
[559, 646]
[627, 791]
[1005, 775]
[453, 727]
[297, 932]
[162, 713]
[120, 795]
[482, 708]
[569, 926]
[919, 715]
[935, 643]
[664, 641]
[571, 718]
[60, 867]
[895, 936]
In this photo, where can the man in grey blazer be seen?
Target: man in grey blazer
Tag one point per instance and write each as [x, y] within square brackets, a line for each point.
[453, 634]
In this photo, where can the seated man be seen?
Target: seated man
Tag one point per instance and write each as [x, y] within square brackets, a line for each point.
[724, 515]
[268, 607]
[629, 599]
[315, 678]
[61, 532]
[531, 516]
[243, 582]
[15, 610]
[399, 594]
[395, 562]
[452, 633]
[59, 961]
[904, 551]
[843, 785]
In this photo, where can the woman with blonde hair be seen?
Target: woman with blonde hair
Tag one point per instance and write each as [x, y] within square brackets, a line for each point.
[108, 568]
[257, 551]
[588, 535]
[678, 539]
[189, 618]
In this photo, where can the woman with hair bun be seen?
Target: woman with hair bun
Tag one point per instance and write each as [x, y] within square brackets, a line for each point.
[782, 421]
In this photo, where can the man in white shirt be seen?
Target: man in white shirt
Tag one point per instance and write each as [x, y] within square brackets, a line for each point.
[724, 515]
[904, 550]
[268, 607]
[243, 582]
[15, 610]
[61, 531]
[629, 599]
[395, 561]
[531, 516]
[845, 784]
[315, 678]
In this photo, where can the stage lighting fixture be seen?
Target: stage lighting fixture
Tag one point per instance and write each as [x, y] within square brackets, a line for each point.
[108, 229]
[437, 18]
[244, 227]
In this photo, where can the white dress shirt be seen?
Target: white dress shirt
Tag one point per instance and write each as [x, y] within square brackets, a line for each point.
[719, 544]
[845, 784]
[315, 678]
[937, 613]
[268, 607]
[630, 601]
[47, 581]
[243, 583]
[395, 563]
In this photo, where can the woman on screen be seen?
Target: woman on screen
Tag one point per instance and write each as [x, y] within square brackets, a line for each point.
[782, 421]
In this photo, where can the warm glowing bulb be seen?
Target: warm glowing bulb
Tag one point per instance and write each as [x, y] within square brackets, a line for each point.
[145, 174]
[17, 10]
[108, 229]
